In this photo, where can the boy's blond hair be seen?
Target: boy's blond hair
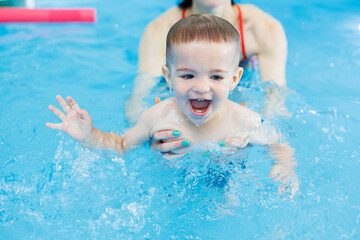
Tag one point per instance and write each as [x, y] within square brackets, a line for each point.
[202, 28]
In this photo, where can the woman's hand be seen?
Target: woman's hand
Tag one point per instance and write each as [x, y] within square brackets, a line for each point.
[76, 122]
[169, 142]
[233, 145]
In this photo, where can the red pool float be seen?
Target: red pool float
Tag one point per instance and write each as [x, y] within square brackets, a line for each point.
[24, 15]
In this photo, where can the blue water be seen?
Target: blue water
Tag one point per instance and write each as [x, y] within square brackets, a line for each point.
[52, 188]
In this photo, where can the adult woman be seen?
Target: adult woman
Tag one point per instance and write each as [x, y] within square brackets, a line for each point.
[261, 35]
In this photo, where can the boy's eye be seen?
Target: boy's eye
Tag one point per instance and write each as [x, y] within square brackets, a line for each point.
[187, 76]
[216, 77]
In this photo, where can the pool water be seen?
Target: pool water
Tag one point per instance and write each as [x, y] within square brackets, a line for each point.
[52, 188]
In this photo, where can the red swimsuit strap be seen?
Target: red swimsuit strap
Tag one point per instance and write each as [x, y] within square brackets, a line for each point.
[241, 32]
[183, 13]
[240, 26]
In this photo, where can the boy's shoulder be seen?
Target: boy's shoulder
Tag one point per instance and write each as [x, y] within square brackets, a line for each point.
[163, 105]
[244, 115]
[163, 115]
[159, 110]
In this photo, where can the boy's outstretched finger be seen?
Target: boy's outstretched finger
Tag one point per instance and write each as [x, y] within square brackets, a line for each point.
[57, 112]
[63, 104]
[72, 103]
[56, 126]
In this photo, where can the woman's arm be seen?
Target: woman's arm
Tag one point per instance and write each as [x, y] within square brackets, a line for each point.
[152, 48]
[151, 59]
[272, 47]
[272, 54]
[153, 42]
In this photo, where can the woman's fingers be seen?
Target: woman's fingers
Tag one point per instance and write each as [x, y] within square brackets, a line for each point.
[166, 135]
[172, 156]
[168, 144]
[72, 103]
[56, 126]
[235, 142]
[57, 112]
[63, 104]
[157, 100]
[175, 146]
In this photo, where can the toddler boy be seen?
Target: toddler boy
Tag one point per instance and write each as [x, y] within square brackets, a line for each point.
[202, 56]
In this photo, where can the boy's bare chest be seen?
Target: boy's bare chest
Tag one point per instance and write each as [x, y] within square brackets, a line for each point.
[212, 132]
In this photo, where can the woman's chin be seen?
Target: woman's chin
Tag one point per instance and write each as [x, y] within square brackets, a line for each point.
[212, 3]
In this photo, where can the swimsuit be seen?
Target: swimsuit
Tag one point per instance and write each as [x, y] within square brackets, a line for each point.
[248, 64]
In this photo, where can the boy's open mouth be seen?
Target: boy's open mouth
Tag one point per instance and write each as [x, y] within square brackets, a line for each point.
[199, 107]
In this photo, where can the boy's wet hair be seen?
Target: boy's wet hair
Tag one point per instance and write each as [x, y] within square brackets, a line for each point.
[202, 28]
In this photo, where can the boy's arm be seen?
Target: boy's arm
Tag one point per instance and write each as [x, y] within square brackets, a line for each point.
[282, 153]
[77, 124]
[103, 140]
[135, 136]
[283, 168]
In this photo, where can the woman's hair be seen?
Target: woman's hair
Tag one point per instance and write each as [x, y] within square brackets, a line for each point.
[187, 3]
[202, 28]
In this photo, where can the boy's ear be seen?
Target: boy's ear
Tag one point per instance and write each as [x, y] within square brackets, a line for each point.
[236, 77]
[167, 76]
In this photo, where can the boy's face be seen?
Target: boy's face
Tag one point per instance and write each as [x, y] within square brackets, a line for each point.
[202, 74]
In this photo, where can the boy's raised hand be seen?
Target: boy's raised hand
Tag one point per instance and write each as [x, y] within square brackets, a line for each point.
[76, 122]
